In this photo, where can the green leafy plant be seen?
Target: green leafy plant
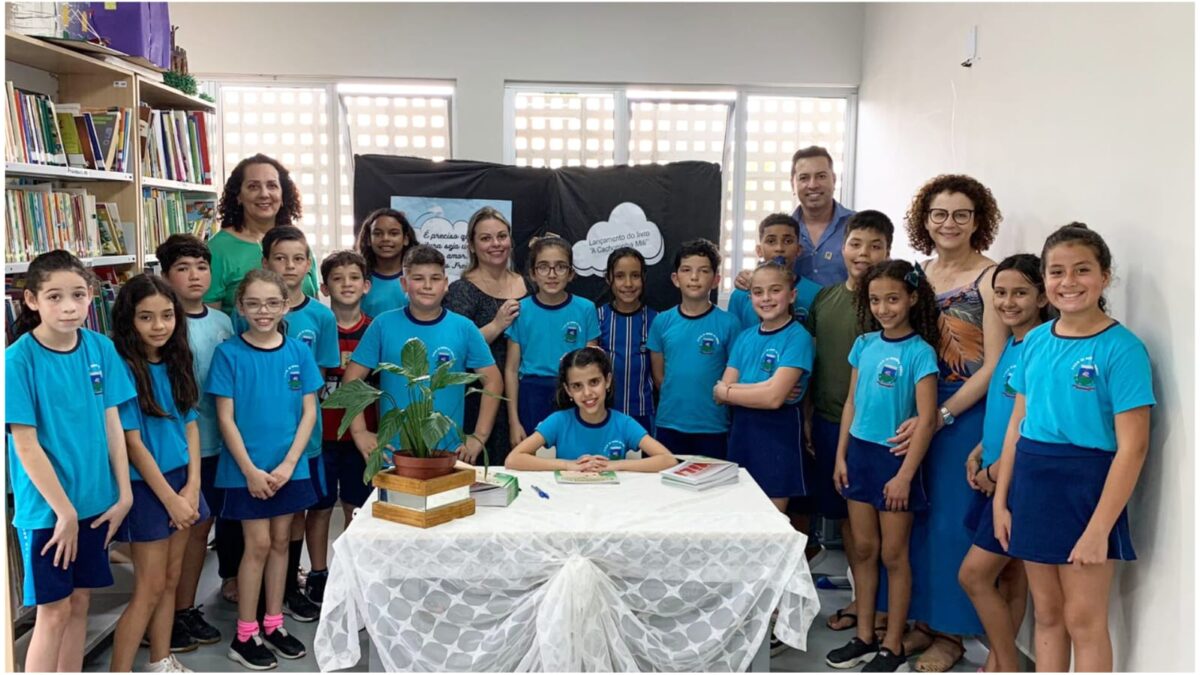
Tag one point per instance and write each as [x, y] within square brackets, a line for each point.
[419, 426]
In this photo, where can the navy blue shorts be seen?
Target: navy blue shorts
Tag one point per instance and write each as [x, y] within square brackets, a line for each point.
[148, 519]
[770, 445]
[535, 401]
[326, 493]
[45, 583]
[213, 495]
[293, 497]
[979, 520]
[869, 466]
[344, 468]
[827, 501]
[1054, 492]
[683, 443]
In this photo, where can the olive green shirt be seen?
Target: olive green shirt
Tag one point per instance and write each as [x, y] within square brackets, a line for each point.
[833, 322]
[231, 259]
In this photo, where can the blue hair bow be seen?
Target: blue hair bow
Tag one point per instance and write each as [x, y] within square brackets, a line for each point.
[915, 276]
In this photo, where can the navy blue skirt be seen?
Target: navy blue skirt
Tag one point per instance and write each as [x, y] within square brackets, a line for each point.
[827, 500]
[293, 497]
[869, 466]
[979, 520]
[535, 401]
[770, 444]
[1055, 490]
[148, 519]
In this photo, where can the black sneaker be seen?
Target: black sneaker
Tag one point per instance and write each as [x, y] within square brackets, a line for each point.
[252, 653]
[284, 645]
[299, 607]
[181, 639]
[315, 586]
[885, 662]
[853, 653]
[191, 621]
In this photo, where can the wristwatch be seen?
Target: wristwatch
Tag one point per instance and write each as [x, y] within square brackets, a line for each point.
[947, 418]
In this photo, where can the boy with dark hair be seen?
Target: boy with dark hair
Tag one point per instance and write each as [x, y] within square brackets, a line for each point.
[778, 237]
[689, 346]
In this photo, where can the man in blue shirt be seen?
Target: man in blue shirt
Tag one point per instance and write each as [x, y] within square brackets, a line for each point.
[822, 220]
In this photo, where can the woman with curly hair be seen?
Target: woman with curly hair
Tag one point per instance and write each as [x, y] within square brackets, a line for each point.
[955, 217]
[258, 195]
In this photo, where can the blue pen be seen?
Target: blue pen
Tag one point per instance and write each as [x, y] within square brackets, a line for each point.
[539, 492]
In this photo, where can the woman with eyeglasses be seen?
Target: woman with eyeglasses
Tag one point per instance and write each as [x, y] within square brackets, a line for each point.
[955, 218]
[489, 294]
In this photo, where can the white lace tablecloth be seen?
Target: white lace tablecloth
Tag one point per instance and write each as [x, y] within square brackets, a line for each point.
[637, 576]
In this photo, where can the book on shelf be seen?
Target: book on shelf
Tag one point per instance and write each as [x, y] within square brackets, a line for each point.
[40, 131]
[108, 222]
[586, 477]
[700, 473]
[175, 145]
[201, 214]
[41, 218]
[165, 214]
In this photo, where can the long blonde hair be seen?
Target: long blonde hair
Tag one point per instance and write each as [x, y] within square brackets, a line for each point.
[485, 213]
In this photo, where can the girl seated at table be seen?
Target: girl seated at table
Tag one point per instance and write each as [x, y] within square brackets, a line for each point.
[587, 434]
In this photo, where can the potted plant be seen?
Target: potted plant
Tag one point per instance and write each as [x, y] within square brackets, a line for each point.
[419, 426]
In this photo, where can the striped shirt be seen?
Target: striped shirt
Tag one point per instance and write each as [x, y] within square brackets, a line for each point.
[623, 336]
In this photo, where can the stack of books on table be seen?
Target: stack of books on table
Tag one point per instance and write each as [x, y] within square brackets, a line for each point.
[701, 473]
[497, 489]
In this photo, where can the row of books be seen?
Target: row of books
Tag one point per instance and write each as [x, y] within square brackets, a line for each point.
[42, 218]
[175, 145]
[39, 131]
[167, 212]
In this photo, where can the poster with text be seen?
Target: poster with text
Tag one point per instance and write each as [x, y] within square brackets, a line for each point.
[441, 222]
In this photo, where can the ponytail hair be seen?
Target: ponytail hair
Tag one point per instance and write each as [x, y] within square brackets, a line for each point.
[1079, 233]
[39, 273]
[924, 315]
[581, 358]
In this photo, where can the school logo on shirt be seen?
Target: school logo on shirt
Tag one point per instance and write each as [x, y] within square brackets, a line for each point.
[1085, 374]
[1009, 392]
[770, 360]
[615, 450]
[801, 314]
[96, 375]
[890, 371]
[293, 376]
[307, 336]
[571, 331]
[443, 355]
[708, 343]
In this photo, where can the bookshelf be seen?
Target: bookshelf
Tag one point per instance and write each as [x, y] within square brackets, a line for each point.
[71, 173]
[178, 186]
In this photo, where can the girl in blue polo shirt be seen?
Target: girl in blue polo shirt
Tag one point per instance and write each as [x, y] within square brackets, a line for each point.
[66, 455]
[551, 323]
[265, 384]
[893, 377]
[764, 383]
[384, 238]
[163, 439]
[624, 330]
[995, 582]
[587, 434]
[1076, 443]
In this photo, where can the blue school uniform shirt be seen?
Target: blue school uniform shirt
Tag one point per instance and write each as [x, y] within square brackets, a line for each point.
[572, 437]
[740, 304]
[164, 437]
[268, 388]
[1074, 387]
[757, 354]
[547, 332]
[64, 395]
[386, 294]
[313, 324]
[624, 337]
[1000, 399]
[886, 389]
[450, 337]
[206, 330]
[695, 350]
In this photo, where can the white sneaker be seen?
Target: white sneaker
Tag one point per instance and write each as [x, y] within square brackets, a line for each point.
[178, 667]
[164, 666]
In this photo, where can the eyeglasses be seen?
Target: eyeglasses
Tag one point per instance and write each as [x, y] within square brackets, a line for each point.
[961, 216]
[546, 268]
[254, 306]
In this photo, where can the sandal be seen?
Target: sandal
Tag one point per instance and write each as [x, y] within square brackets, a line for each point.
[838, 617]
[229, 590]
[941, 659]
[917, 639]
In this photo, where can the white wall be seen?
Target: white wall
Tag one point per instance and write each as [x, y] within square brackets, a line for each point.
[1073, 112]
[482, 45]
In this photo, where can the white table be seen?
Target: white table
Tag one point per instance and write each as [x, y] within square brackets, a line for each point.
[638, 576]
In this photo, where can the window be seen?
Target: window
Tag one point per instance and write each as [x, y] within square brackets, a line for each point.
[752, 135]
[315, 129]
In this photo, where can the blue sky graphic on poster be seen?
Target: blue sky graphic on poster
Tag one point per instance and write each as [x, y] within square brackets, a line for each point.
[441, 222]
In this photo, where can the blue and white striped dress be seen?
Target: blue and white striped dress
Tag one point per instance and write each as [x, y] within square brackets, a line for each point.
[624, 336]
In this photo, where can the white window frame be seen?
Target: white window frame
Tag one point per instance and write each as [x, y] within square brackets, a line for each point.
[621, 132]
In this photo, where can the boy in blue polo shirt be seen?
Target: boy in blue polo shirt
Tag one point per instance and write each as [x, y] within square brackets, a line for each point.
[447, 337]
[689, 346]
[778, 237]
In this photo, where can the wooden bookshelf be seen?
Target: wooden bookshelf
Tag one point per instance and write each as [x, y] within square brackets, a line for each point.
[71, 173]
[159, 95]
[102, 261]
[178, 186]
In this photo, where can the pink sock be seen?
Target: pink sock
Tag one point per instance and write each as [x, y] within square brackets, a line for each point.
[246, 630]
[271, 622]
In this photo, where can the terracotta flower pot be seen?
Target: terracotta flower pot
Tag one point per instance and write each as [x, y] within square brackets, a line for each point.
[424, 468]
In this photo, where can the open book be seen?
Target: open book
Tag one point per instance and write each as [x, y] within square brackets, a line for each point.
[586, 477]
[701, 473]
